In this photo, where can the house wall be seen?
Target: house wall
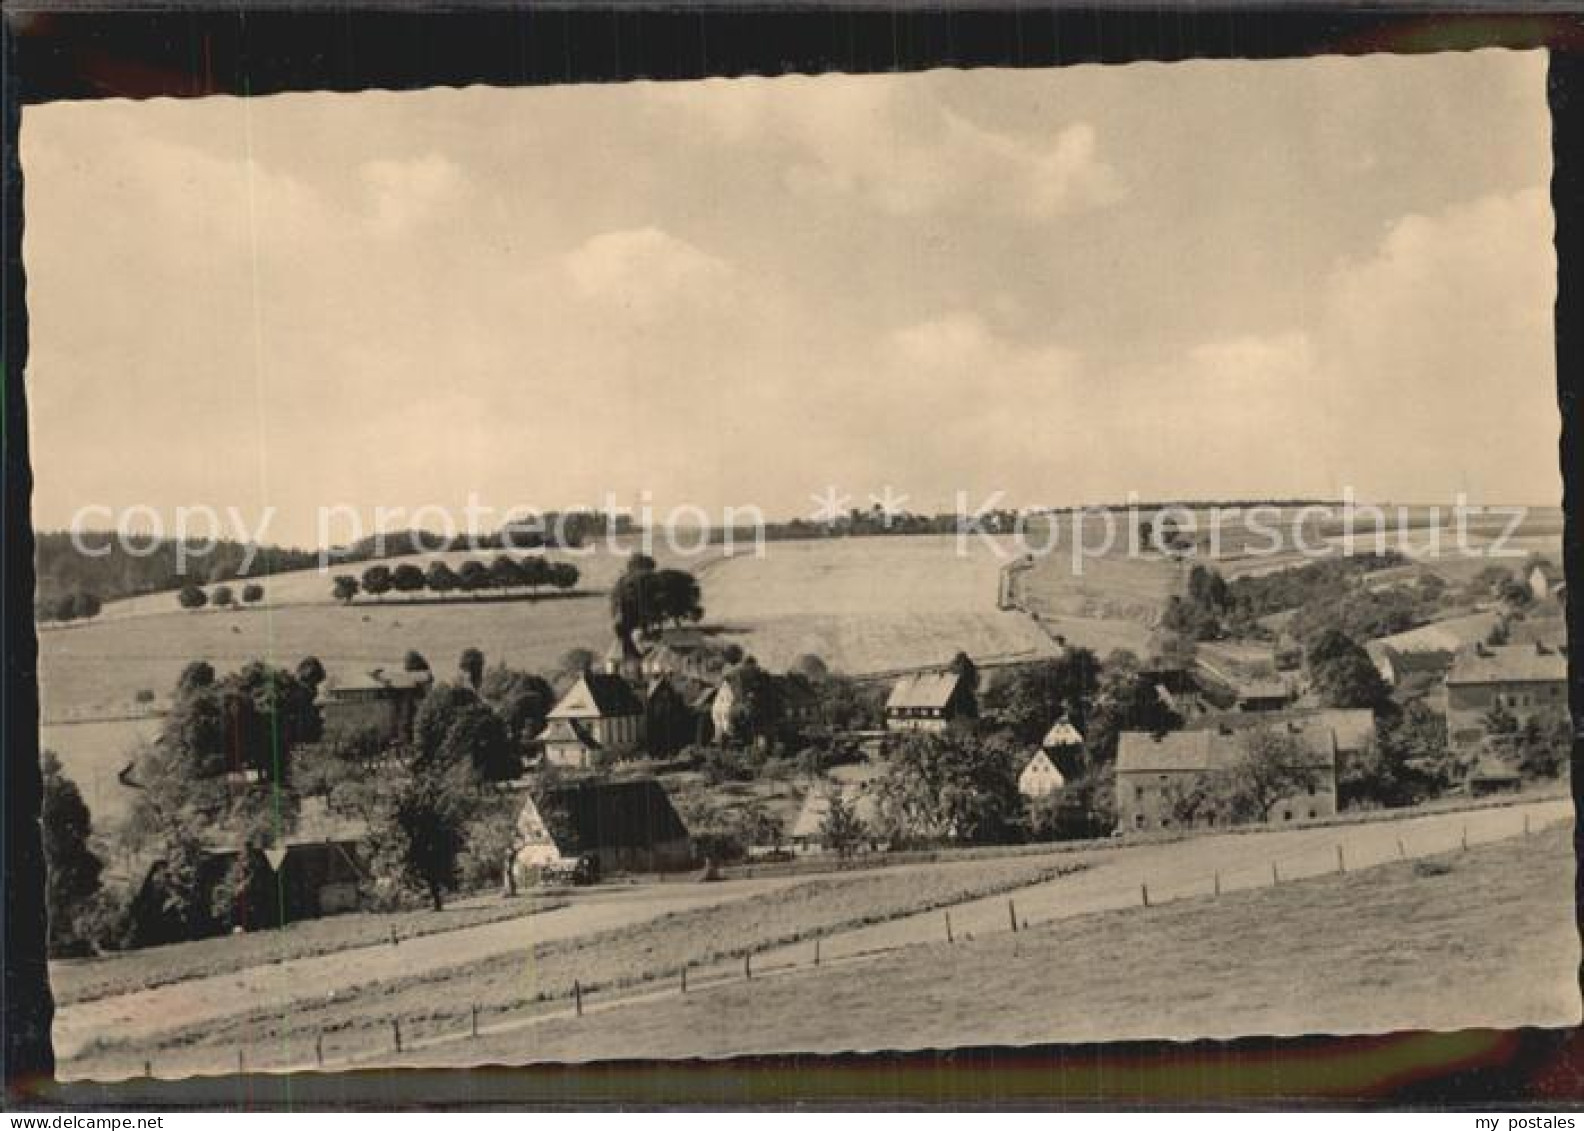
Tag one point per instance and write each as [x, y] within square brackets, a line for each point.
[1468, 703]
[1143, 801]
[573, 755]
[1040, 778]
[907, 719]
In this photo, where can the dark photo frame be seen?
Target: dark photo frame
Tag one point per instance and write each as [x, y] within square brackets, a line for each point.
[91, 51]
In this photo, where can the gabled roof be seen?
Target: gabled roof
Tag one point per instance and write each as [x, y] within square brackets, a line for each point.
[1182, 750]
[1062, 733]
[931, 690]
[1441, 636]
[598, 695]
[1262, 688]
[817, 805]
[589, 816]
[380, 679]
[1509, 663]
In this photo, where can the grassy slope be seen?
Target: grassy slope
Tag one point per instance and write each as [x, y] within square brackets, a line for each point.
[440, 1001]
[89, 979]
[1488, 941]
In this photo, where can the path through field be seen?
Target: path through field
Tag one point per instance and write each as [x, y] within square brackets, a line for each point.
[1113, 878]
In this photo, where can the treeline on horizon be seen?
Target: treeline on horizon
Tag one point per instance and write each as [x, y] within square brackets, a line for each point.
[71, 581]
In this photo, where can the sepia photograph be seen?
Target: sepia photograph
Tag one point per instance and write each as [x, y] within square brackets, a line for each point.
[808, 564]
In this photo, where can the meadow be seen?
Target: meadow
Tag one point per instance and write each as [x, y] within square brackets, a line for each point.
[1427, 943]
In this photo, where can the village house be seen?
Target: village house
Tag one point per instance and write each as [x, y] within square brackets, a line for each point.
[384, 700]
[621, 826]
[1040, 776]
[1262, 694]
[679, 652]
[808, 830]
[1545, 582]
[1153, 771]
[598, 712]
[1427, 652]
[317, 869]
[929, 701]
[1523, 679]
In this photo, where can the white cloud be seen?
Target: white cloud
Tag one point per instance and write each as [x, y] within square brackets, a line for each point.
[901, 149]
[645, 269]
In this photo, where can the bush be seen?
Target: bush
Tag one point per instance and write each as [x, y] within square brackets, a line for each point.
[143, 696]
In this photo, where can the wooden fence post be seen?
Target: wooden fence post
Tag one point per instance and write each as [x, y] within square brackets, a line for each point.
[1275, 874]
[473, 1021]
[577, 996]
[684, 979]
[396, 1032]
[1526, 824]
[1218, 882]
[948, 927]
[1465, 838]
[1012, 914]
[748, 966]
[319, 1050]
[1341, 861]
[241, 1063]
[816, 950]
[148, 1069]
[1402, 850]
[1144, 892]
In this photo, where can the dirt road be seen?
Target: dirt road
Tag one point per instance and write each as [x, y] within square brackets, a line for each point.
[1114, 878]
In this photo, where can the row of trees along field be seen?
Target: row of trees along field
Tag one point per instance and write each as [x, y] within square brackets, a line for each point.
[192, 596]
[110, 565]
[502, 575]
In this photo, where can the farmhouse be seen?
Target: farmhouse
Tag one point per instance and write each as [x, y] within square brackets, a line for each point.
[1040, 776]
[1257, 694]
[808, 831]
[1428, 651]
[1545, 582]
[623, 826]
[1154, 770]
[1524, 679]
[315, 870]
[382, 699]
[599, 712]
[929, 701]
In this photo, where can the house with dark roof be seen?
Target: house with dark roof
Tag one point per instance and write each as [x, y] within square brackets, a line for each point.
[929, 701]
[382, 699]
[598, 712]
[623, 826]
[1523, 679]
[317, 869]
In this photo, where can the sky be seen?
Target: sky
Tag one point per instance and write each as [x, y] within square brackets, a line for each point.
[1188, 281]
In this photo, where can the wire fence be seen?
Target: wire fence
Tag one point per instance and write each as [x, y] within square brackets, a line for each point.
[1037, 905]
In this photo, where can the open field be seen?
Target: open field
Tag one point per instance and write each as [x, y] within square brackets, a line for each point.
[508, 968]
[1483, 938]
[93, 753]
[685, 924]
[869, 604]
[80, 980]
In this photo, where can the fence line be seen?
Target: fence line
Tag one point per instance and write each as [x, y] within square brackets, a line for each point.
[714, 972]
